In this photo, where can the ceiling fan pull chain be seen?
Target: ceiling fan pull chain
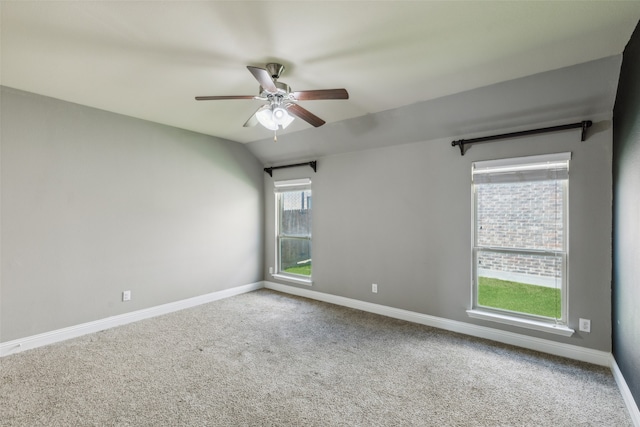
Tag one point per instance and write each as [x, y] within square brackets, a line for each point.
[275, 136]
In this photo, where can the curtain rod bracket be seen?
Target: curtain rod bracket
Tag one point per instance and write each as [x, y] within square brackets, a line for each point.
[313, 164]
[584, 125]
[459, 143]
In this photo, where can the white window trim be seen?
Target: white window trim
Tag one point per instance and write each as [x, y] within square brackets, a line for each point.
[279, 187]
[523, 320]
[294, 279]
[553, 328]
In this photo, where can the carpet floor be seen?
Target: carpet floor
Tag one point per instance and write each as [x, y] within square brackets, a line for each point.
[271, 359]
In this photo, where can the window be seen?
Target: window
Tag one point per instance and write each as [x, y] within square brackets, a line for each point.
[293, 230]
[520, 241]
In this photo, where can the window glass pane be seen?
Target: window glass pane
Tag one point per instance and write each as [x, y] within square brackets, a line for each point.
[520, 215]
[295, 256]
[522, 283]
[295, 213]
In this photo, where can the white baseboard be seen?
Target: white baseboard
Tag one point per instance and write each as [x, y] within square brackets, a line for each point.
[39, 340]
[551, 347]
[626, 393]
[546, 346]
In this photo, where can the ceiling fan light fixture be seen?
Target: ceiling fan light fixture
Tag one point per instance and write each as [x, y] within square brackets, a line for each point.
[282, 117]
[274, 117]
[265, 117]
[279, 114]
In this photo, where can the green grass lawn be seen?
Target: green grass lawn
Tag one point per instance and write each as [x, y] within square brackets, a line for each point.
[304, 270]
[514, 296]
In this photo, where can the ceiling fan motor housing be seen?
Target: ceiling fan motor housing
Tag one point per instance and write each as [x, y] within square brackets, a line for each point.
[283, 91]
[275, 70]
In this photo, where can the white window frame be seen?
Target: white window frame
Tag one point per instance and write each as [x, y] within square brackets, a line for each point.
[522, 167]
[279, 188]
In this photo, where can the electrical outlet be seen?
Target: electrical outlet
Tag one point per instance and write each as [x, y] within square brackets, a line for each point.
[270, 270]
[374, 288]
[126, 295]
[585, 325]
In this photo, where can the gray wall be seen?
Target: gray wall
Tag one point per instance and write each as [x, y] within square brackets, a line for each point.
[94, 203]
[626, 225]
[400, 217]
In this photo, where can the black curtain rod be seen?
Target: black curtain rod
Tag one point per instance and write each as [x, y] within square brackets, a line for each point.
[583, 124]
[313, 165]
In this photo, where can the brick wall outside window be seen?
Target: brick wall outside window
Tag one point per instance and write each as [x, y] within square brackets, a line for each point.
[520, 215]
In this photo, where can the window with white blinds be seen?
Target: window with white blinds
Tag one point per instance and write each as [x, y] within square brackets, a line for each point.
[520, 237]
[293, 229]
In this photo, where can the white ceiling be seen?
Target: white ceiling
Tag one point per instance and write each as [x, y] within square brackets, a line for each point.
[149, 59]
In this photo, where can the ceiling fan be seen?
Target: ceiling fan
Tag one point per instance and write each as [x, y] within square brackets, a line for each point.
[280, 101]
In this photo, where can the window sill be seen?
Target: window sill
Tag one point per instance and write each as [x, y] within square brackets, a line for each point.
[299, 281]
[523, 323]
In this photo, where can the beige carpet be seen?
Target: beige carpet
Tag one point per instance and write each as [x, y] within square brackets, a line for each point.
[270, 359]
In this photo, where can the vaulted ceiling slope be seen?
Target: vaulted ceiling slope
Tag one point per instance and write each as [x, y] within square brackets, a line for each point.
[584, 91]
[149, 59]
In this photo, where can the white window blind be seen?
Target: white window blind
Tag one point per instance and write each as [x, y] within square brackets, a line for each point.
[532, 168]
[301, 184]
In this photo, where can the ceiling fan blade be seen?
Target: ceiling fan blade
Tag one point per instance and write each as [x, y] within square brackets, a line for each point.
[264, 78]
[305, 115]
[312, 95]
[215, 98]
[253, 120]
